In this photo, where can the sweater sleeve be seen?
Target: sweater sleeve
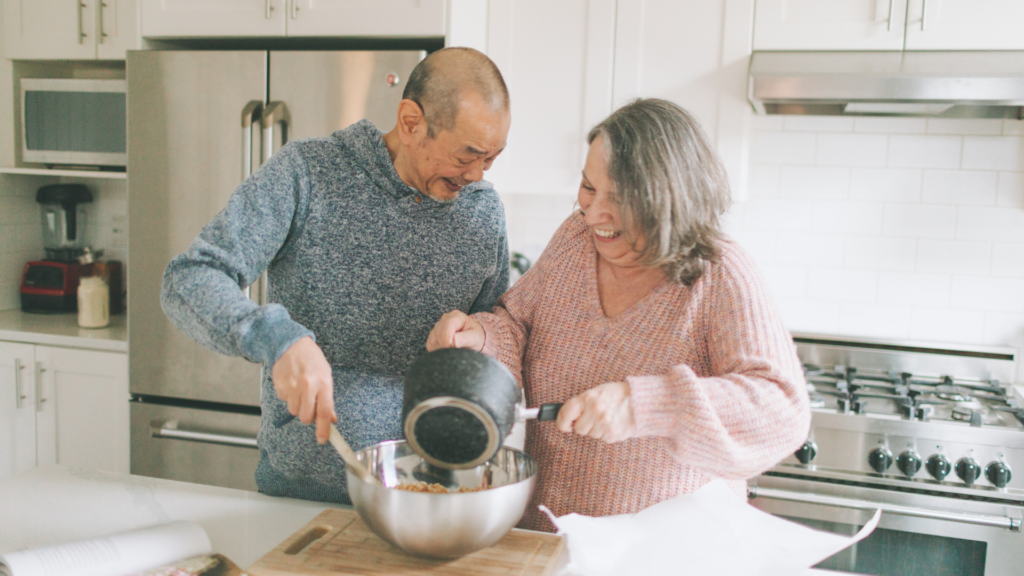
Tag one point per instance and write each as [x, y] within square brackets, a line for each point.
[202, 288]
[507, 325]
[753, 410]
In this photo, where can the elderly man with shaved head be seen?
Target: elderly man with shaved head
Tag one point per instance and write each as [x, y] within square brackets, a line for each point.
[367, 238]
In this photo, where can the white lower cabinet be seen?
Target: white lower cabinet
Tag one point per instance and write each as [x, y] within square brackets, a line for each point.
[63, 406]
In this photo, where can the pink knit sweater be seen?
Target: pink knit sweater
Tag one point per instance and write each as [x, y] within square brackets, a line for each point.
[716, 388]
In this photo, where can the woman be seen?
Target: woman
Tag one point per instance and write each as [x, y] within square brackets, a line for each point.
[655, 330]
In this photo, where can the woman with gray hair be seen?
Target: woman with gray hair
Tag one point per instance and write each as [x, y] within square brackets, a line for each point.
[655, 330]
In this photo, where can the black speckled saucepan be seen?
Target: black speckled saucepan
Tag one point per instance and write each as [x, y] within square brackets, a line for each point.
[459, 406]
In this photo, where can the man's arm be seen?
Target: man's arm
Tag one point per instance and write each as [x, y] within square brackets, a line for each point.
[202, 288]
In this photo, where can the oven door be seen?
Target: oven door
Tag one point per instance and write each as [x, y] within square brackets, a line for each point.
[919, 533]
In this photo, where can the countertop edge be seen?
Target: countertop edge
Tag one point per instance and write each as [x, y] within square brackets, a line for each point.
[64, 341]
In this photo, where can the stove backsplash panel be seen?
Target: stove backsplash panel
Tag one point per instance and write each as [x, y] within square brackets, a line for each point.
[896, 228]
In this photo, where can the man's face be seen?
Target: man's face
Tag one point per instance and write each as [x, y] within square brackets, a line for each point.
[442, 165]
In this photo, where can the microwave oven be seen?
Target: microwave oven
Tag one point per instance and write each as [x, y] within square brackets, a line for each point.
[74, 121]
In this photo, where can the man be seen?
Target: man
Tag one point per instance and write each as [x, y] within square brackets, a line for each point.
[367, 239]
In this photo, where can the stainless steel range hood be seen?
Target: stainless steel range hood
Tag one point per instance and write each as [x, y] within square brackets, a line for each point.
[935, 84]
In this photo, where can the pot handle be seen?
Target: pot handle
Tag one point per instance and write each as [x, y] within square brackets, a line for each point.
[544, 413]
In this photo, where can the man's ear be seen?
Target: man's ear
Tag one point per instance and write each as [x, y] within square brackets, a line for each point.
[412, 124]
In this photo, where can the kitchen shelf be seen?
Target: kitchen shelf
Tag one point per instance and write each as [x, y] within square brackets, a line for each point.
[72, 173]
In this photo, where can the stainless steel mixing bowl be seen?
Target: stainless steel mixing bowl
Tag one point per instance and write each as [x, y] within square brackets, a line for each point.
[441, 525]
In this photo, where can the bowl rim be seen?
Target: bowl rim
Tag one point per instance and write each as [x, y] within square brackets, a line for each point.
[533, 477]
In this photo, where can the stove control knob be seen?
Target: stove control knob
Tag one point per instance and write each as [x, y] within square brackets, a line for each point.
[968, 470]
[807, 452]
[938, 466]
[998, 473]
[909, 462]
[880, 459]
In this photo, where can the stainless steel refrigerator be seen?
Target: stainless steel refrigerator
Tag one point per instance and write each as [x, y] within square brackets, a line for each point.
[198, 123]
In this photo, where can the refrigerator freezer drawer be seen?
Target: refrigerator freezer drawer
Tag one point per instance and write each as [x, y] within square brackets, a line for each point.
[191, 445]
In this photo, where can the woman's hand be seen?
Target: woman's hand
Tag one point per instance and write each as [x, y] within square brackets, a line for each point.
[603, 413]
[456, 330]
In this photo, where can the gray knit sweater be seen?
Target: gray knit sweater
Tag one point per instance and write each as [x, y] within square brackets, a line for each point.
[355, 258]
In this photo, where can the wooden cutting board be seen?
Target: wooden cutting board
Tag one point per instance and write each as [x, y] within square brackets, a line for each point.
[339, 542]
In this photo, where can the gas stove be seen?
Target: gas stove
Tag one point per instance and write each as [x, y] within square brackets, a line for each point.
[929, 417]
[932, 434]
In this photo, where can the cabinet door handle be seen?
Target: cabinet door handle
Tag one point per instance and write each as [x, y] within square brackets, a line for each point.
[924, 10]
[18, 394]
[39, 386]
[81, 32]
[102, 32]
[295, 9]
[268, 8]
[892, 8]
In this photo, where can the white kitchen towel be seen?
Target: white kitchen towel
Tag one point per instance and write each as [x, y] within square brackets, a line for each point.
[711, 531]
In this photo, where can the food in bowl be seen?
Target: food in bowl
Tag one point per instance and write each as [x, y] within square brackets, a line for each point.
[435, 488]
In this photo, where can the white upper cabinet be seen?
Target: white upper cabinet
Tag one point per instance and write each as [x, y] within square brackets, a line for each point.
[252, 18]
[212, 18]
[362, 18]
[889, 25]
[965, 25]
[63, 30]
[829, 25]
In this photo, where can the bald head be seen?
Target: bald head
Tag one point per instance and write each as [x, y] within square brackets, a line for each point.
[438, 83]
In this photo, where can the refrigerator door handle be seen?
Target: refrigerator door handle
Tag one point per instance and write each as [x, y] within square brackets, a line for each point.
[169, 429]
[275, 113]
[250, 115]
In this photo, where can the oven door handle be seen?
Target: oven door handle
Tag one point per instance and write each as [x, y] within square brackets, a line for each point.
[169, 429]
[1013, 524]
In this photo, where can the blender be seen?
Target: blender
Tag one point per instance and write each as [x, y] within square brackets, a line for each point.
[51, 285]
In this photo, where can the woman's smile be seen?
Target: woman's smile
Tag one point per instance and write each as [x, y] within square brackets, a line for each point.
[606, 235]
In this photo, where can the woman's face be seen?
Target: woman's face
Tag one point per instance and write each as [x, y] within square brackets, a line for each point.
[598, 200]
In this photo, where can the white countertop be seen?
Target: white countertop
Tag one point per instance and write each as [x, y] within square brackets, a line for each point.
[53, 504]
[63, 330]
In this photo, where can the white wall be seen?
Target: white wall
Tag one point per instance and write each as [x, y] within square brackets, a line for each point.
[895, 228]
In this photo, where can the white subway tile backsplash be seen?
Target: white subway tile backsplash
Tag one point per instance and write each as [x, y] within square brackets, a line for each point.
[19, 210]
[924, 151]
[987, 293]
[1013, 127]
[852, 149]
[913, 289]
[993, 153]
[810, 249]
[965, 126]
[760, 245]
[784, 148]
[984, 223]
[818, 124]
[842, 285]
[944, 325]
[782, 214]
[812, 182]
[763, 180]
[784, 281]
[876, 320]
[959, 187]
[9, 296]
[1004, 329]
[1008, 260]
[802, 315]
[1011, 189]
[919, 220]
[847, 217]
[880, 253]
[884, 125]
[885, 184]
[767, 123]
[954, 257]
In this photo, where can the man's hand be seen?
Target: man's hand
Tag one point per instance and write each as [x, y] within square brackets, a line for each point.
[456, 330]
[302, 378]
[603, 413]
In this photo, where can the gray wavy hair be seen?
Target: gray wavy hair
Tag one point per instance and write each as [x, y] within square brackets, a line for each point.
[671, 185]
